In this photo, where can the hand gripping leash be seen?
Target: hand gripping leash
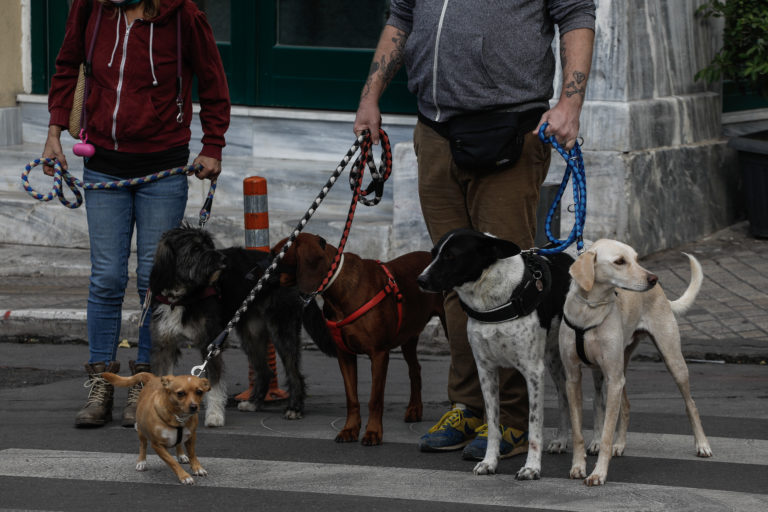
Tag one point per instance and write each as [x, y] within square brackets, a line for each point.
[379, 176]
[574, 166]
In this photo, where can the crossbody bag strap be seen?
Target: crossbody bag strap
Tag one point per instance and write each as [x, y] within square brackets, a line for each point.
[88, 59]
[179, 100]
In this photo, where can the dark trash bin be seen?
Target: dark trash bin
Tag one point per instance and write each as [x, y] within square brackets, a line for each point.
[753, 161]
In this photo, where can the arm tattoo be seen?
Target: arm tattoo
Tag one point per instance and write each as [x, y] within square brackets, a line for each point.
[388, 65]
[577, 85]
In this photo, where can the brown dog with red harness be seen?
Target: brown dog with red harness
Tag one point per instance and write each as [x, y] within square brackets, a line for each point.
[371, 307]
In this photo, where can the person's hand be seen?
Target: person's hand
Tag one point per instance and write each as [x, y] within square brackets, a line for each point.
[52, 149]
[211, 167]
[562, 123]
[368, 117]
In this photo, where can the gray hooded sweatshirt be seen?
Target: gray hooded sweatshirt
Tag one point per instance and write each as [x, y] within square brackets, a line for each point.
[471, 55]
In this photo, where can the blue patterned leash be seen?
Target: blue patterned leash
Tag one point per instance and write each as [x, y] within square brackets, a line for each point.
[574, 166]
[62, 177]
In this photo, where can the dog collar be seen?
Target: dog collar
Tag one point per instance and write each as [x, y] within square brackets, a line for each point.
[526, 297]
[594, 305]
[335, 274]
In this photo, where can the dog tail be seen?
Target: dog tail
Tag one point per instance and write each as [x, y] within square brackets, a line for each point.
[681, 305]
[314, 323]
[126, 382]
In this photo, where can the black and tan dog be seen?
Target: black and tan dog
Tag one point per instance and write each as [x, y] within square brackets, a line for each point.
[197, 289]
[166, 417]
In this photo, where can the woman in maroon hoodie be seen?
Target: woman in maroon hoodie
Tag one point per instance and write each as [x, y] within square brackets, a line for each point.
[137, 116]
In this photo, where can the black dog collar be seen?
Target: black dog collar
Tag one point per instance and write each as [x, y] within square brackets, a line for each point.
[535, 285]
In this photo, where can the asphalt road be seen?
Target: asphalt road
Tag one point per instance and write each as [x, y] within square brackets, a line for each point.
[258, 460]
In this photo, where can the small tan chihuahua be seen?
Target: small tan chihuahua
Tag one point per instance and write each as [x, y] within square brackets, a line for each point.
[166, 415]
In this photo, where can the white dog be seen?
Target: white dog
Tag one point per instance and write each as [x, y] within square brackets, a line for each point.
[611, 304]
[514, 301]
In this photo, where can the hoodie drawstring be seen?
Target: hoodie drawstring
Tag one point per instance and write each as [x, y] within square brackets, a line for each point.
[117, 37]
[151, 61]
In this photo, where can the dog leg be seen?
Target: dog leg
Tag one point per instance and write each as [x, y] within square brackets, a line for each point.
[181, 456]
[289, 349]
[194, 463]
[573, 390]
[621, 434]
[598, 411]
[614, 388]
[256, 350]
[374, 430]
[489, 384]
[534, 378]
[668, 345]
[141, 463]
[183, 476]
[415, 407]
[348, 367]
[216, 398]
[556, 371]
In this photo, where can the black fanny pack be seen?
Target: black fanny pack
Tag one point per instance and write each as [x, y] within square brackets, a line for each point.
[484, 142]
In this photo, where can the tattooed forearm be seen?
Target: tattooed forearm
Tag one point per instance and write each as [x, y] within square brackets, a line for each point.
[577, 85]
[386, 66]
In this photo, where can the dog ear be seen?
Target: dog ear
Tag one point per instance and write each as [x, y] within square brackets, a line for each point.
[583, 270]
[205, 385]
[311, 264]
[166, 381]
[505, 248]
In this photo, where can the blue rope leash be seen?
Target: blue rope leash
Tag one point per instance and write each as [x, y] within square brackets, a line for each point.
[574, 166]
[62, 177]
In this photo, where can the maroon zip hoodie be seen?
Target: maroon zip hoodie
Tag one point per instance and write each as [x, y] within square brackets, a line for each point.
[133, 87]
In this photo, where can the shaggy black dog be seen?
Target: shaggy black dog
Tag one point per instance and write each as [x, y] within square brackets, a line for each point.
[196, 290]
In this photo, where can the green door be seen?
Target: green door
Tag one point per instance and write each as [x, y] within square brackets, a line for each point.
[276, 53]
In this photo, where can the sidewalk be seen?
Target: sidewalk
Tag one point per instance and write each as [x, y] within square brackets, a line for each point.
[43, 293]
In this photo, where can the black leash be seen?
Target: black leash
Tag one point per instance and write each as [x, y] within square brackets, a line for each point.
[379, 175]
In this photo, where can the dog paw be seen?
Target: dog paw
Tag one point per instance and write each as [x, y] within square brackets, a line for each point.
[413, 414]
[485, 468]
[557, 446]
[594, 447]
[214, 419]
[703, 451]
[247, 406]
[291, 414]
[183, 459]
[594, 479]
[346, 436]
[618, 450]
[578, 472]
[187, 480]
[371, 438]
[527, 474]
[200, 472]
[141, 465]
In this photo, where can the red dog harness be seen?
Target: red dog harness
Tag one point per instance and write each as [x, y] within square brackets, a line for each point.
[390, 287]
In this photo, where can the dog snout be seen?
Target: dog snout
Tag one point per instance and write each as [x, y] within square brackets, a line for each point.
[652, 280]
[193, 407]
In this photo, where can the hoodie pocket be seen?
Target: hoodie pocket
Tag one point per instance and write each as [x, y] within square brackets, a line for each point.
[137, 119]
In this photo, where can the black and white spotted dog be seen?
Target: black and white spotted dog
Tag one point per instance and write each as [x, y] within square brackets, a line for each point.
[514, 301]
[197, 289]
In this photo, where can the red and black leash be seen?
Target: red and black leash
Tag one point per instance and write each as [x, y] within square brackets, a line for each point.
[379, 175]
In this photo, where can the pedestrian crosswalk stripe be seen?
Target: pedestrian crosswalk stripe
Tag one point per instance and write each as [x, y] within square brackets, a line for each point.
[639, 444]
[378, 482]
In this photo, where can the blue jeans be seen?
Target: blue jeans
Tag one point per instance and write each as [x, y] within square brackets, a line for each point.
[152, 208]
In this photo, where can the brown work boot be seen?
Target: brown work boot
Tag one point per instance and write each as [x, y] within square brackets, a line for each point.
[129, 413]
[97, 411]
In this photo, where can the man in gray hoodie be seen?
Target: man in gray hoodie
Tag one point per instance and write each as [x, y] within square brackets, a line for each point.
[466, 58]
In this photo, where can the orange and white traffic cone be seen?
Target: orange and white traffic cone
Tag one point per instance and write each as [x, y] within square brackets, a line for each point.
[256, 215]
